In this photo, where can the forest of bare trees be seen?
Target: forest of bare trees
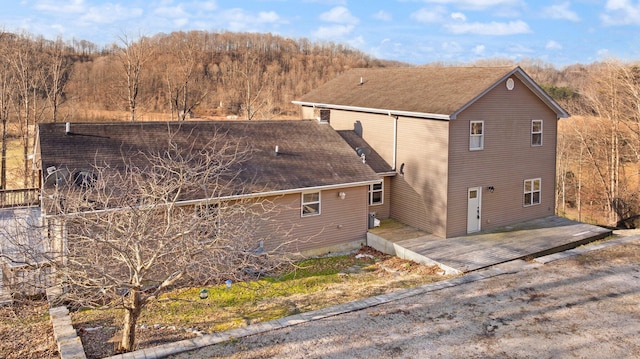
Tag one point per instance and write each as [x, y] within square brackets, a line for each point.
[174, 76]
[256, 76]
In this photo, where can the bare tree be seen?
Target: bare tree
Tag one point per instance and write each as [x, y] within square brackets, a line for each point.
[603, 140]
[133, 57]
[250, 82]
[159, 220]
[186, 85]
[6, 92]
[27, 103]
[55, 74]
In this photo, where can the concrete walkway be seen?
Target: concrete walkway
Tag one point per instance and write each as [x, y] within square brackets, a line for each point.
[476, 251]
[217, 338]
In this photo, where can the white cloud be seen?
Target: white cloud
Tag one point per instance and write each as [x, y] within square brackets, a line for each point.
[479, 49]
[553, 45]
[269, 17]
[451, 46]
[207, 5]
[561, 12]
[340, 15]
[476, 4]
[357, 42]
[492, 28]
[458, 16]
[430, 16]
[109, 13]
[382, 15]
[180, 22]
[330, 32]
[239, 20]
[68, 7]
[519, 49]
[621, 12]
[171, 12]
[603, 53]
[328, 2]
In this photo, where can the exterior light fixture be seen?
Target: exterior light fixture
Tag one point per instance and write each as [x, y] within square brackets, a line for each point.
[204, 294]
[342, 195]
[491, 189]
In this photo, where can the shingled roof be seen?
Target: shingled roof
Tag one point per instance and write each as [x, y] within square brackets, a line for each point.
[372, 158]
[430, 92]
[310, 155]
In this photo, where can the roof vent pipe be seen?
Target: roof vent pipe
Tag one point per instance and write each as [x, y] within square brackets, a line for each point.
[276, 152]
[67, 129]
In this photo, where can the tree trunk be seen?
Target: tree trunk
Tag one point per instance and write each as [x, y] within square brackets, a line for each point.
[133, 308]
[3, 164]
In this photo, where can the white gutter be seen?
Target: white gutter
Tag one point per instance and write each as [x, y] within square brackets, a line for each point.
[434, 116]
[227, 198]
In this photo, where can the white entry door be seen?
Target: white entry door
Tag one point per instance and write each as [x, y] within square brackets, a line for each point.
[474, 202]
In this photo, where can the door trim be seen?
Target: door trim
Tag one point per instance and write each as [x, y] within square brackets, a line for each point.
[474, 226]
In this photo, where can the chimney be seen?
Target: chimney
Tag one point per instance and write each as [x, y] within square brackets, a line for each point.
[67, 129]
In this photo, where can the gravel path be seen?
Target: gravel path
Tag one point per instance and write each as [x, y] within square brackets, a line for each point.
[587, 306]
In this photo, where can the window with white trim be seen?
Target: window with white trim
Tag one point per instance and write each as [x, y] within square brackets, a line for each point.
[310, 204]
[376, 193]
[532, 190]
[536, 132]
[476, 135]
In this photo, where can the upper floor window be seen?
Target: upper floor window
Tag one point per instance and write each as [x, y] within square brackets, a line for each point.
[532, 192]
[325, 115]
[310, 204]
[536, 132]
[476, 135]
[376, 193]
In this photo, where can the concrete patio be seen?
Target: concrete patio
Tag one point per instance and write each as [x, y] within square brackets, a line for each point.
[480, 250]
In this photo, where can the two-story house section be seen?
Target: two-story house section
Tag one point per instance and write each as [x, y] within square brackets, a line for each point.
[471, 148]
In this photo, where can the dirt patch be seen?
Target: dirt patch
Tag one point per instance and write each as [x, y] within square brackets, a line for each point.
[584, 306]
[26, 332]
[101, 341]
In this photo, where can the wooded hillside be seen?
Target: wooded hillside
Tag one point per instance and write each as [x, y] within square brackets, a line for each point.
[174, 76]
[256, 76]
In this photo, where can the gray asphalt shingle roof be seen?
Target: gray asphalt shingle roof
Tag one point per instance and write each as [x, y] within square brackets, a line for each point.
[310, 154]
[372, 158]
[438, 90]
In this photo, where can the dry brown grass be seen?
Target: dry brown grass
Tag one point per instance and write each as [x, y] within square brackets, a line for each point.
[26, 332]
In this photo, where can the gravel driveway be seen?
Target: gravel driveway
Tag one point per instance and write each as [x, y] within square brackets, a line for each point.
[584, 306]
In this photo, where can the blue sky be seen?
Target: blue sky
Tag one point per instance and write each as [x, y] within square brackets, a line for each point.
[414, 31]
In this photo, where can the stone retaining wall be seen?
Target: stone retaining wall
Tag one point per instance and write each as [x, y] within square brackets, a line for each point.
[69, 344]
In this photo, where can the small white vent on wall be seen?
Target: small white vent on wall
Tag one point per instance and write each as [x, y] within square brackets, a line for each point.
[510, 84]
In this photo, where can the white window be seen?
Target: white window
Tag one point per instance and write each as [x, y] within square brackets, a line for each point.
[310, 204]
[531, 192]
[376, 193]
[476, 135]
[536, 132]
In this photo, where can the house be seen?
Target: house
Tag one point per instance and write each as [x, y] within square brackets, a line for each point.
[468, 148]
[305, 168]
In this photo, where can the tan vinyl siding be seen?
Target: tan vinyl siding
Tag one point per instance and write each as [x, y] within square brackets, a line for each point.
[340, 222]
[308, 113]
[420, 194]
[383, 210]
[376, 129]
[506, 160]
